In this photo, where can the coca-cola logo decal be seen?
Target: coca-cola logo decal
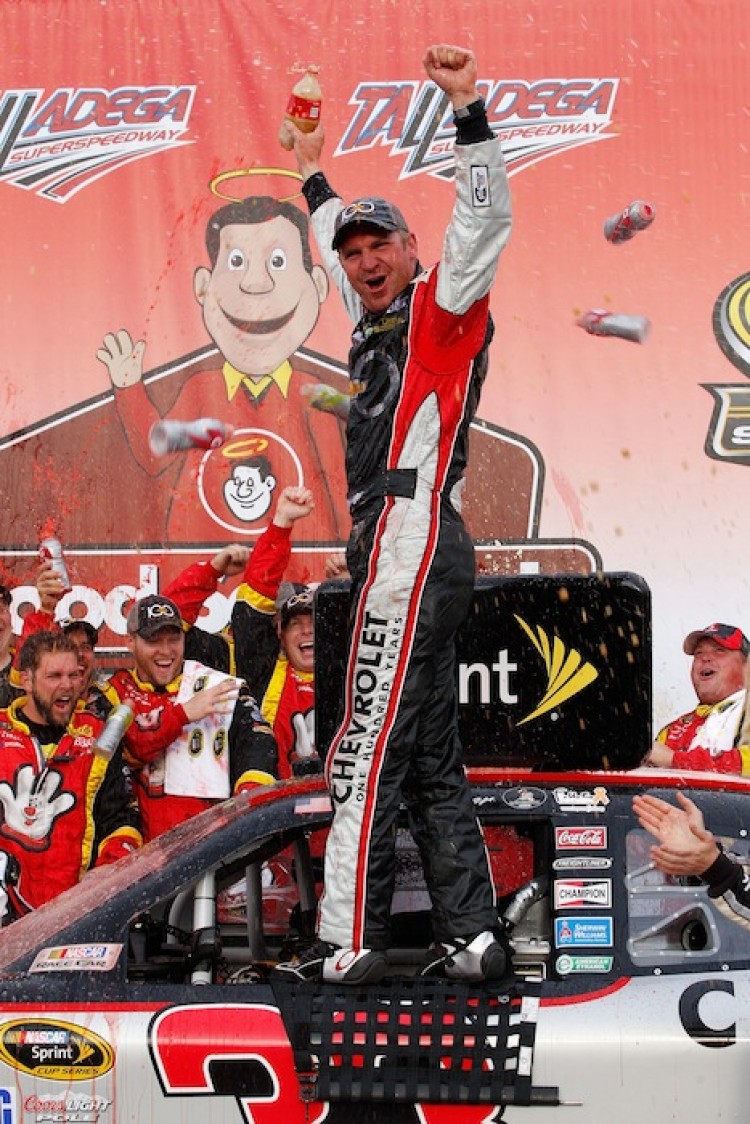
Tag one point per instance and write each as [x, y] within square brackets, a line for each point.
[593, 838]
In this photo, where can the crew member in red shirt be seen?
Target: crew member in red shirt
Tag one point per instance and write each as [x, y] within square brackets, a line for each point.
[65, 808]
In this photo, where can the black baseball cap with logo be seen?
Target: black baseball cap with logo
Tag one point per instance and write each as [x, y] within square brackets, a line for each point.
[296, 605]
[151, 614]
[368, 211]
[725, 635]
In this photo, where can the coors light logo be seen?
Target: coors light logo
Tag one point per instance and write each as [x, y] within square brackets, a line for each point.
[55, 143]
[581, 838]
[533, 120]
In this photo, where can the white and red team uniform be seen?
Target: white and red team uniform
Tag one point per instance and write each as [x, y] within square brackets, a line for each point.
[249, 749]
[707, 738]
[416, 372]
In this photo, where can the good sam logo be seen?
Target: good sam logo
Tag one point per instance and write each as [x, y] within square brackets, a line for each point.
[58, 1051]
[55, 143]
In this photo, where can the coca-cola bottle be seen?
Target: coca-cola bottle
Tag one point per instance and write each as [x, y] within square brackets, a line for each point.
[304, 105]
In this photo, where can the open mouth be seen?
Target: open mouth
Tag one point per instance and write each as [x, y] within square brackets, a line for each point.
[260, 327]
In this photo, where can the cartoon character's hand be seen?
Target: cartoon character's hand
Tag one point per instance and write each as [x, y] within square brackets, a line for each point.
[303, 756]
[303, 726]
[30, 811]
[122, 358]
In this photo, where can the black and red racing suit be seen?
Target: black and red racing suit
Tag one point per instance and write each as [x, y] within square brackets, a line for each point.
[416, 371]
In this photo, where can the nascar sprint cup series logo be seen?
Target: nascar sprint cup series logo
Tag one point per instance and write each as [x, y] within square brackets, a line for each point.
[56, 142]
[533, 119]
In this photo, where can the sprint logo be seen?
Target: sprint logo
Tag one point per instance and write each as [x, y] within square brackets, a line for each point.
[567, 671]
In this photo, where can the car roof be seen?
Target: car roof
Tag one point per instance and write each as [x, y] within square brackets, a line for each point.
[104, 902]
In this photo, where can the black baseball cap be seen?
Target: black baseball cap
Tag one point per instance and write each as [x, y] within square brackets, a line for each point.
[368, 211]
[725, 635]
[151, 614]
[296, 605]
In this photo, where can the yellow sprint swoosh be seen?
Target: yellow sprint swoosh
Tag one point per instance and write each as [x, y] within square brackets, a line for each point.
[567, 671]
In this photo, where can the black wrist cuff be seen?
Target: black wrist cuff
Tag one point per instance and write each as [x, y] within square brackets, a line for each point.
[471, 123]
[317, 191]
[721, 874]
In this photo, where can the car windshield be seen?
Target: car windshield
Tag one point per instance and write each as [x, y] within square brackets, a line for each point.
[106, 883]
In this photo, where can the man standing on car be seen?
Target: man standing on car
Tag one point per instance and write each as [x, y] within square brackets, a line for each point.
[417, 363]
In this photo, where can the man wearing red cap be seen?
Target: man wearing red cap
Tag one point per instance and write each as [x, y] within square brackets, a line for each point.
[707, 737]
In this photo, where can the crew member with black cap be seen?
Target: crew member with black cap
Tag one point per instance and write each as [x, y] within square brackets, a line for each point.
[708, 737]
[418, 359]
[198, 735]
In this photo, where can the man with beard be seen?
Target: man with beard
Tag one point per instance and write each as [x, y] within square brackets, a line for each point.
[65, 808]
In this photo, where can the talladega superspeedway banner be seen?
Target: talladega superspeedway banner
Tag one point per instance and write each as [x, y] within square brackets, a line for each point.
[125, 126]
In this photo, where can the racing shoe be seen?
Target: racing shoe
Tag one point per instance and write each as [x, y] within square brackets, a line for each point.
[483, 957]
[348, 966]
[328, 962]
